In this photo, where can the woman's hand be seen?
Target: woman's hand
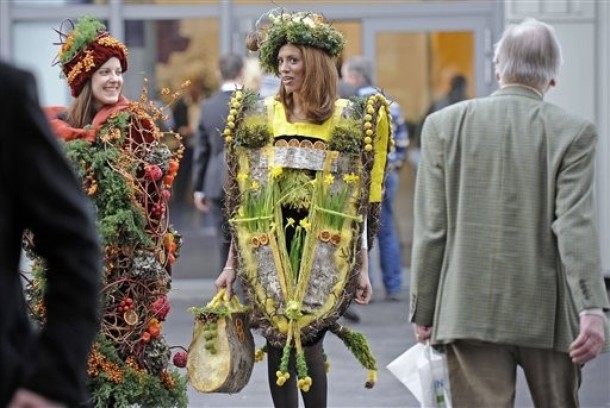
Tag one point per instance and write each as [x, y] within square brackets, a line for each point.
[364, 290]
[28, 399]
[227, 276]
[225, 280]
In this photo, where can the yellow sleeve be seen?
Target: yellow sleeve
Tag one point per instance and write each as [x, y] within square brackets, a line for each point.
[382, 138]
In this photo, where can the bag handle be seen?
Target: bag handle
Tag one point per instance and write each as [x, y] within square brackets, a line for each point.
[232, 304]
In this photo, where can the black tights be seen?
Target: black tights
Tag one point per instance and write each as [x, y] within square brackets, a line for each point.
[286, 396]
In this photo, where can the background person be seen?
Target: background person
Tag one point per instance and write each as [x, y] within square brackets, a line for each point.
[47, 368]
[186, 112]
[358, 73]
[209, 171]
[457, 93]
[344, 89]
[506, 267]
[253, 74]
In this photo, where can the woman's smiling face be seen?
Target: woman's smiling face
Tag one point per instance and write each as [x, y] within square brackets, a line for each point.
[107, 83]
[291, 67]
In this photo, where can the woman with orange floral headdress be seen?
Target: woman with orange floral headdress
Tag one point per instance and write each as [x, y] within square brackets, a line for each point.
[305, 178]
[127, 172]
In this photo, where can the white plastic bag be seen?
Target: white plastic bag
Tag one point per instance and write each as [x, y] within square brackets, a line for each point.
[423, 371]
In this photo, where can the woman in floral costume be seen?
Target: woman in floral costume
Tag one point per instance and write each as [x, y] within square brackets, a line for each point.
[305, 179]
[127, 172]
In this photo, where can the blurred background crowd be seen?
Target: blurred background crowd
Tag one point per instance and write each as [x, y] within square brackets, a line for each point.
[425, 54]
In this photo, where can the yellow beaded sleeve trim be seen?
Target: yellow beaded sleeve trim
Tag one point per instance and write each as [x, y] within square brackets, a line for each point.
[376, 139]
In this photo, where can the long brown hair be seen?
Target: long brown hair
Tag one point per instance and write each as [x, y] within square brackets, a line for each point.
[81, 111]
[319, 89]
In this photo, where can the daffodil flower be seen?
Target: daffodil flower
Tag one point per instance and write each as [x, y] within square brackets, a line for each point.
[242, 176]
[305, 224]
[329, 179]
[351, 178]
[275, 171]
[289, 223]
[255, 185]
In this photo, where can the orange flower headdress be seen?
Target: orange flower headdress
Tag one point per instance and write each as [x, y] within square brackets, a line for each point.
[87, 47]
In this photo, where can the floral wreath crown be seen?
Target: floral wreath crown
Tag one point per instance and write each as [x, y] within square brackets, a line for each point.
[85, 49]
[302, 28]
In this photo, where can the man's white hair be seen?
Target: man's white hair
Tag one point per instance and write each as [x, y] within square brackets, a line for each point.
[528, 53]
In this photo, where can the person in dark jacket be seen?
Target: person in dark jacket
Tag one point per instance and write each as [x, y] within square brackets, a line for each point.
[39, 192]
[209, 168]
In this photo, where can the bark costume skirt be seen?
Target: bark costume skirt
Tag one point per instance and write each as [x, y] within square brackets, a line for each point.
[300, 199]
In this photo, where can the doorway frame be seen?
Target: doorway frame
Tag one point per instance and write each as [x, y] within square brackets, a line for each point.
[484, 83]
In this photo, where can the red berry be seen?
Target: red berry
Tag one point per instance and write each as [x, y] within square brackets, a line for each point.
[153, 172]
[180, 359]
[161, 307]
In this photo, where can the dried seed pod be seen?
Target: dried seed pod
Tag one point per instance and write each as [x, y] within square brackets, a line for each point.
[253, 40]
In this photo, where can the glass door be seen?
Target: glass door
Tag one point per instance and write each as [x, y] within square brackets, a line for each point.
[425, 63]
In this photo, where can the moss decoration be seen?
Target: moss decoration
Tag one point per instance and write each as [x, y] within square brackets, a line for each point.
[303, 28]
[127, 173]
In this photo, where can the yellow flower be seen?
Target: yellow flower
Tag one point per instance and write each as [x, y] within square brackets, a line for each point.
[351, 178]
[329, 179]
[242, 176]
[290, 222]
[305, 224]
[275, 171]
[255, 185]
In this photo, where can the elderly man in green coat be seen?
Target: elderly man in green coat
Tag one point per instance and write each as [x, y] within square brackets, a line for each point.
[505, 268]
